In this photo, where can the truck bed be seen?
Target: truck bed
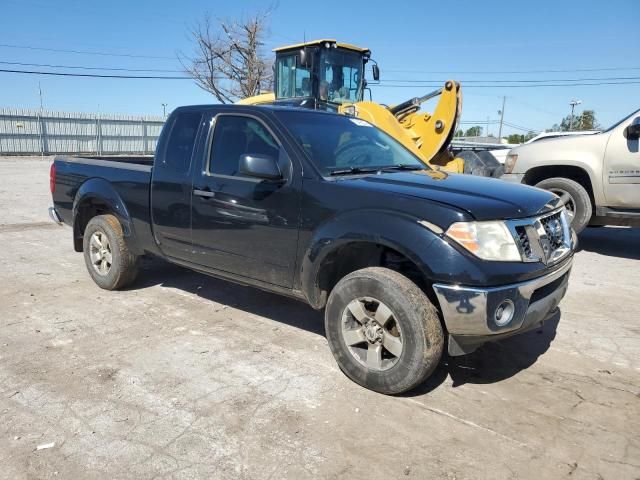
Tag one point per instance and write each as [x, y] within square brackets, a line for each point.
[146, 160]
[123, 180]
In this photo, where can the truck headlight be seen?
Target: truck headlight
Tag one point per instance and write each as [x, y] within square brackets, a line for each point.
[510, 162]
[486, 240]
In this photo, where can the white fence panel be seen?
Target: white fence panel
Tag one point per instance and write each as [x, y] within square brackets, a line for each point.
[33, 132]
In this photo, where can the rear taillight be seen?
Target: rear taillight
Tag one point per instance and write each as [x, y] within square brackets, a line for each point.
[52, 178]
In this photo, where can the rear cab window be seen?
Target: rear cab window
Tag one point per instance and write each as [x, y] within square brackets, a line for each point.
[181, 142]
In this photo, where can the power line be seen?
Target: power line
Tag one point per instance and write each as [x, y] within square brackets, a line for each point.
[84, 52]
[516, 81]
[482, 72]
[417, 83]
[91, 68]
[79, 67]
[495, 122]
[95, 75]
[383, 85]
[537, 85]
[519, 127]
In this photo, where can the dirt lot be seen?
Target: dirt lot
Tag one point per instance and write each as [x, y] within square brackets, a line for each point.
[185, 376]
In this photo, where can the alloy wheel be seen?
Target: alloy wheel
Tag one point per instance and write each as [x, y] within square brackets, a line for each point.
[100, 252]
[372, 333]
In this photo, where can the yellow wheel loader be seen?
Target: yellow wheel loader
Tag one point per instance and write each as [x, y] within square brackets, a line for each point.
[329, 75]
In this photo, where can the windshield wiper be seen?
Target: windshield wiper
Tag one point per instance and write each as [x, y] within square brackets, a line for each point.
[402, 166]
[353, 170]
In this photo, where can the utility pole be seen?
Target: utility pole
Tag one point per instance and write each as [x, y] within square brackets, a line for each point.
[40, 92]
[40, 123]
[487, 132]
[164, 110]
[501, 112]
[573, 104]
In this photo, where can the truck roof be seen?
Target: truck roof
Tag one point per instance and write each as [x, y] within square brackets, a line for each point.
[217, 106]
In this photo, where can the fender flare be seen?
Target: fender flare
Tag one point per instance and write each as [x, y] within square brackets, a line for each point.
[101, 191]
[585, 166]
[401, 233]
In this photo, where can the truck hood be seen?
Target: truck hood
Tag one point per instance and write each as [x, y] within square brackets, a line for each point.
[568, 148]
[483, 198]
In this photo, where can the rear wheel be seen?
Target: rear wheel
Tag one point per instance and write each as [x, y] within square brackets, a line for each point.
[575, 198]
[383, 331]
[108, 259]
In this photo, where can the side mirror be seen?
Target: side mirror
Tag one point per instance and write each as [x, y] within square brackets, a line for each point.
[633, 130]
[259, 166]
[376, 72]
[305, 57]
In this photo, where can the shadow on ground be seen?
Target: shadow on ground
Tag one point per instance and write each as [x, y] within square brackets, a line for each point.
[491, 363]
[611, 241]
[495, 361]
[248, 299]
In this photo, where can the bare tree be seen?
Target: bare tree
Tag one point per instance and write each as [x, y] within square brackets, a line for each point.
[228, 60]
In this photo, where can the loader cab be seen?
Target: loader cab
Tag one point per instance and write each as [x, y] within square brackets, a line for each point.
[322, 74]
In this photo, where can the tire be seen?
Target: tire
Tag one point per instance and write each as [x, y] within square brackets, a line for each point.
[104, 240]
[407, 317]
[575, 197]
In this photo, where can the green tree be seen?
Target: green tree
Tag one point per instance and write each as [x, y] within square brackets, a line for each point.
[581, 121]
[459, 133]
[473, 132]
[588, 120]
[515, 138]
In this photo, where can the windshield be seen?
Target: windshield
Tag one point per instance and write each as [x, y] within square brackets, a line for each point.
[292, 80]
[620, 121]
[340, 76]
[339, 144]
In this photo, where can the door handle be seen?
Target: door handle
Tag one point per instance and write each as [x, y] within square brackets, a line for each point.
[203, 193]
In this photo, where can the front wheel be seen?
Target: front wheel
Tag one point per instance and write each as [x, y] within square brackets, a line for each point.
[383, 331]
[109, 261]
[575, 198]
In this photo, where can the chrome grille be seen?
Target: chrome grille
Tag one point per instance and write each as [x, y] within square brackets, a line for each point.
[523, 240]
[546, 238]
[553, 227]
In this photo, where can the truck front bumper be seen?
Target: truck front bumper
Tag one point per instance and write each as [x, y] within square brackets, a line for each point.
[474, 316]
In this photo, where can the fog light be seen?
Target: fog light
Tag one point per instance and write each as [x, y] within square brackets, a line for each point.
[504, 313]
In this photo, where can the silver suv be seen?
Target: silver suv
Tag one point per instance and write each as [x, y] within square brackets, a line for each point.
[596, 176]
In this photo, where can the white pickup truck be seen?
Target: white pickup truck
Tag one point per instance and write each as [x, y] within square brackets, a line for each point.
[597, 176]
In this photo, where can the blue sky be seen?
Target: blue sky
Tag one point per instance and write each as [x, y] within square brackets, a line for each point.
[411, 40]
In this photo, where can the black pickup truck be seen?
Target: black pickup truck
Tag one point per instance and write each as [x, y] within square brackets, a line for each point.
[332, 211]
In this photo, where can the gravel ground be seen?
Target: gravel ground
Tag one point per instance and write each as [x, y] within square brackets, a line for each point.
[186, 376]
